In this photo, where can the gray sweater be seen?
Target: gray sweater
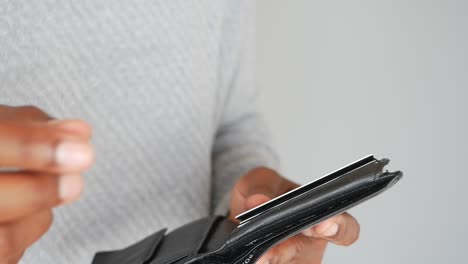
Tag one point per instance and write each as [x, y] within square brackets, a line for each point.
[168, 87]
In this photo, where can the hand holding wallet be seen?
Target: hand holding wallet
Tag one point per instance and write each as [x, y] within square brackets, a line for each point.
[216, 240]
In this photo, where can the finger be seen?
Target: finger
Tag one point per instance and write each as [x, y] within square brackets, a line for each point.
[312, 251]
[256, 200]
[282, 253]
[22, 113]
[15, 237]
[243, 205]
[297, 249]
[34, 114]
[240, 204]
[79, 128]
[258, 181]
[342, 229]
[41, 147]
[13, 259]
[23, 193]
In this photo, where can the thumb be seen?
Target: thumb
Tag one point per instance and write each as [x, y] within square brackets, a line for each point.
[256, 200]
[242, 203]
[255, 188]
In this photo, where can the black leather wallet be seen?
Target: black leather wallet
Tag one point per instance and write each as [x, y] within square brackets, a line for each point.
[216, 240]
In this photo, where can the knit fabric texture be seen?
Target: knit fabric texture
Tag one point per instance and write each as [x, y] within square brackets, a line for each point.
[168, 86]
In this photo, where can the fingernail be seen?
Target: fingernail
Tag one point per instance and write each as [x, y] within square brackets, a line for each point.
[73, 154]
[332, 230]
[70, 187]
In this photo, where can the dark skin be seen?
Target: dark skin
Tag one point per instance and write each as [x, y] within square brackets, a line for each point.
[44, 154]
[49, 156]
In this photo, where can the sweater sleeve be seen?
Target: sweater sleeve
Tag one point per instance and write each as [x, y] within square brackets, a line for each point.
[241, 140]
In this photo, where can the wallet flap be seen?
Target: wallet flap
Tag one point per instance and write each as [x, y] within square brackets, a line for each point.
[185, 241]
[140, 253]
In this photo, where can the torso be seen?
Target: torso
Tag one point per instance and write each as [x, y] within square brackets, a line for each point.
[145, 75]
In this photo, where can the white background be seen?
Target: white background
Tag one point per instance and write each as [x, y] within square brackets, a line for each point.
[342, 79]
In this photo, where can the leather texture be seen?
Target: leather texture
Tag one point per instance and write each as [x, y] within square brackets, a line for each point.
[216, 240]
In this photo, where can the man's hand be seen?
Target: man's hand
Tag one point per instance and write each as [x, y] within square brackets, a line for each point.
[261, 185]
[40, 165]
